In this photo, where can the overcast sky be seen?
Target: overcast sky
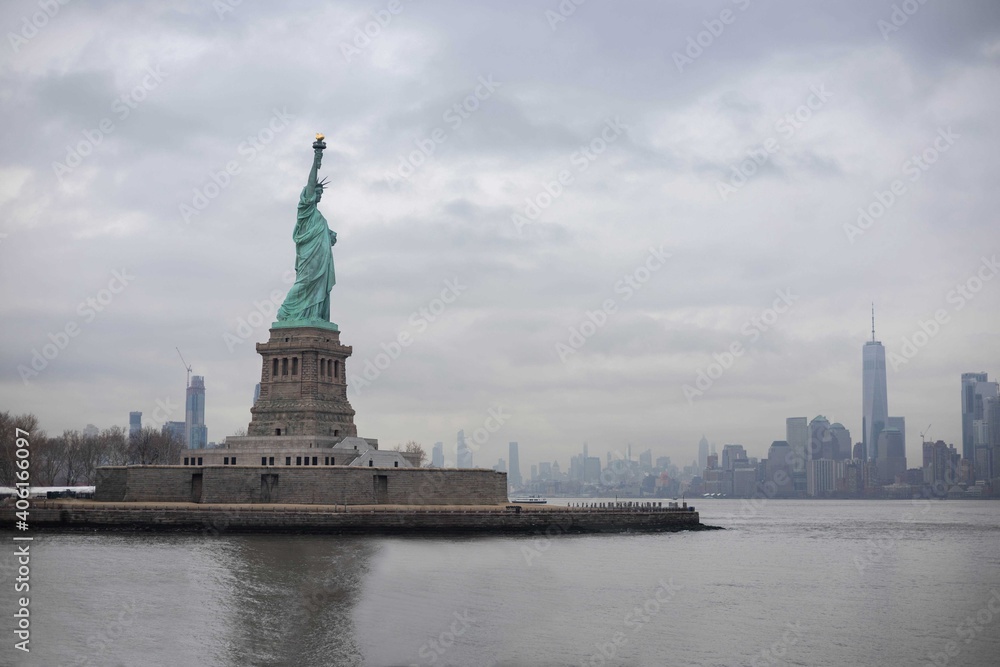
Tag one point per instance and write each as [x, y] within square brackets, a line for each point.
[713, 156]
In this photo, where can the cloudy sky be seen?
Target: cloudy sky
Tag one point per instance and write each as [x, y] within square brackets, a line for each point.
[613, 196]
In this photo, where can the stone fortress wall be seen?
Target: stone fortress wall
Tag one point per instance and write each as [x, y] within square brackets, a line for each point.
[334, 485]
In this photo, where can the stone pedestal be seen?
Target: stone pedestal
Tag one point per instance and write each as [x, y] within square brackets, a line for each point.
[303, 385]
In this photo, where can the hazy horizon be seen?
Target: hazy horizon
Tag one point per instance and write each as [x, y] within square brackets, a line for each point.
[658, 175]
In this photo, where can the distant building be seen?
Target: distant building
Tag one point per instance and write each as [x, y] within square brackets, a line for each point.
[194, 414]
[976, 389]
[437, 455]
[534, 472]
[134, 424]
[842, 442]
[898, 423]
[464, 453]
[797, 437]
[592, 469]
[821, 477]
[514, 475]
[90, 431]
[820, 439]
[892, 455]
[778, 482]
[545, 470]
[177, 430]
[874, 395]
[256, 393]
[501, 466]
[731, 455]
[702, 453]
[645, 460]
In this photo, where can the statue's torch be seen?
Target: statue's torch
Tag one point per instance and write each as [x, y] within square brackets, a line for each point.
[319, 144]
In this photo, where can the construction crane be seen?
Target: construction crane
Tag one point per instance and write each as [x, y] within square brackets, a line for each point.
[187, 366]
[926, 430]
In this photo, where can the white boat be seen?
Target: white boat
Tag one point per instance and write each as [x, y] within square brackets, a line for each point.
[529, 500]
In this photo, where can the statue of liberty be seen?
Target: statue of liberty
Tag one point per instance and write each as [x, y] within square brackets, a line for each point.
[308, 301]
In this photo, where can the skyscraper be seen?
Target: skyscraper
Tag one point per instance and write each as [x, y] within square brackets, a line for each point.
[134, 424]
[900, 424]
[874, 396]
[702, 453]
[797, 437]
[891, 460]
[194, 414]
[976, 388]
[437, 455]
[514, 476]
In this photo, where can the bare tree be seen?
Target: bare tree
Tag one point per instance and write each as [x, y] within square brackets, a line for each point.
[114, 447]
[152, 447]
[413, 447]
[48, 459]
[8, 443]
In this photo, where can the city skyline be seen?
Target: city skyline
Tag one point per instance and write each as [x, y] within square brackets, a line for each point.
[694, 201]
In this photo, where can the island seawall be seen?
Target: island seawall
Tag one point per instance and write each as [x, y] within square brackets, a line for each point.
[355, 519]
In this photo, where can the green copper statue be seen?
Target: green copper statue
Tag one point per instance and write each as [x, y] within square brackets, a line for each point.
[308, 301]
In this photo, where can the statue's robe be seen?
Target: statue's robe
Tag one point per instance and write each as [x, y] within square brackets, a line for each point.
[309, 297]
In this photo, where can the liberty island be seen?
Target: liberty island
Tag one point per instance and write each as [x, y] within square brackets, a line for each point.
[302, 467]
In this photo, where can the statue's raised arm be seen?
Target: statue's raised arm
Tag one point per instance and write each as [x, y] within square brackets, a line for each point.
[318, 146]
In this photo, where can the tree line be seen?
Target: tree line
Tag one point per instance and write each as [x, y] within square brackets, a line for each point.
[72, 459]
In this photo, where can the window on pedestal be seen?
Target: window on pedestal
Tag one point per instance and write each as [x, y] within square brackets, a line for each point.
[315, 459]
[263, 460]
[288, 460]
[284, 366]
[295, 365]
[336, 370]
[271, 460]
[322, 367]
[274, 367]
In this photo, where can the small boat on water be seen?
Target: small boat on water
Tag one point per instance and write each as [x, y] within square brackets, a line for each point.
[529, 500]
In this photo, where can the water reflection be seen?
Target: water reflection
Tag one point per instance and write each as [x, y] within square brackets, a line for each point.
[289, 600]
